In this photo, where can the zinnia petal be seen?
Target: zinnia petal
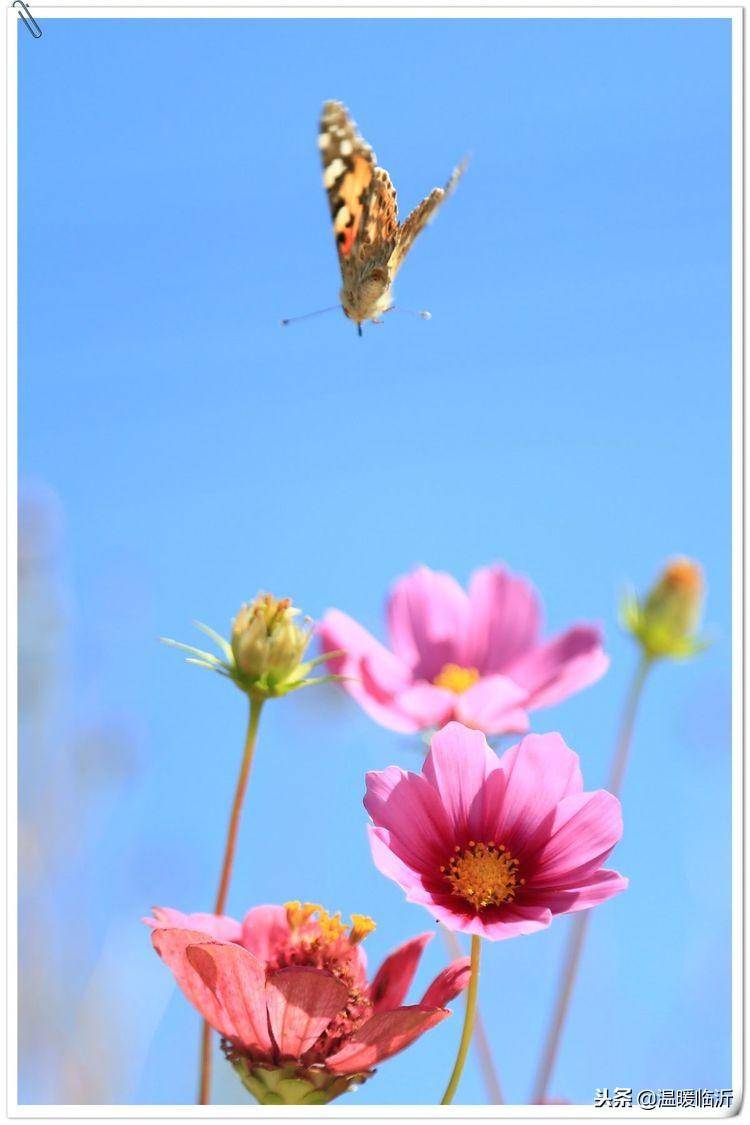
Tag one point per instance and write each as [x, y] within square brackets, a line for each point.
[237, 980]
[392, 980]
[264, 930]
[219, 926]
[302, 1001]
[447, 985]
[171, 945]
[383, 1035]
[198, 978]
[504, 619]
[427, 616]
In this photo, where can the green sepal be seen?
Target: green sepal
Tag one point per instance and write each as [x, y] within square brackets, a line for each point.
[211, 667]
[318, 680]
[207, 657]
[658, 641]
[217, 638]
[267, 686]
[293, 1085]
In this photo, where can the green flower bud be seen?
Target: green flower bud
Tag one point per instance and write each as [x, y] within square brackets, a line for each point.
[265, 655]
[267, 643]
[667, 622]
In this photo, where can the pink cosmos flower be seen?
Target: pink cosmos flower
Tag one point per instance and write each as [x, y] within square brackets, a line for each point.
[287, 988]
[477, 657]
[494, 846]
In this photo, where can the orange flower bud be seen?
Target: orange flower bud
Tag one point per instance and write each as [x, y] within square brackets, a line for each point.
[667, 621]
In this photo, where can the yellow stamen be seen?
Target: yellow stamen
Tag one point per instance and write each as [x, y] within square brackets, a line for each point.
[331, 926]
[321, 927]
[297, 913]
[455, 678]
[483, 874]
[361, 927]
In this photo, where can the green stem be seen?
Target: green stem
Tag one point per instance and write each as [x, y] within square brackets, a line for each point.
[204, 1092]
[580, 924]
[481, 1040]
[469, 1019]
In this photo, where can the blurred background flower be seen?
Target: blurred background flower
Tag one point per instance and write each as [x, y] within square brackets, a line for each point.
[475, 656]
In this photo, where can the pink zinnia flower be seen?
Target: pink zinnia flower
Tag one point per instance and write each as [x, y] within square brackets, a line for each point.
[477, 657]
[287, 989]
[494, 846]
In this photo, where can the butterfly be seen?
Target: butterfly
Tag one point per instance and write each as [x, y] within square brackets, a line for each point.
[370, 241]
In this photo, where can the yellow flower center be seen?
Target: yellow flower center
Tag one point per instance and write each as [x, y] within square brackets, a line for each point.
[483, 874]
[455, 678]
[311, 918]
[320, 940]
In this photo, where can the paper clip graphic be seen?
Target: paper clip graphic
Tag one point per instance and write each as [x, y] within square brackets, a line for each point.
[28, 19]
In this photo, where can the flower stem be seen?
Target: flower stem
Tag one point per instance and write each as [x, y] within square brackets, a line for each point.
[620, 761]
[204, 1093]
[580, 924]
[469, 1018]
[481, 1039]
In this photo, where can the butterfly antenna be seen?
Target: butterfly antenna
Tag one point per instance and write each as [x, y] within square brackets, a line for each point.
[306, 316]
[423, 314]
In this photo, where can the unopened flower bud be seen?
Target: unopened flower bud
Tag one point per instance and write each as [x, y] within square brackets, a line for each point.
[265, 655]
[267, 643]
[666, 623]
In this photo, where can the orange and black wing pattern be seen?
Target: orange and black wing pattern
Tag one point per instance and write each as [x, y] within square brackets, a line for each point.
[361, 196]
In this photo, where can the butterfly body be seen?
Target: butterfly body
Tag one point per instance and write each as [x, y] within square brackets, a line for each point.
[367, 297]
[370, 241]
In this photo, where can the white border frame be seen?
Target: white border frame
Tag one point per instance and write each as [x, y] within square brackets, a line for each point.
[8, 1032]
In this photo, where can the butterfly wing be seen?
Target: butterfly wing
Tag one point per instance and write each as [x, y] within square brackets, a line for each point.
[419, 218]
[361, 196]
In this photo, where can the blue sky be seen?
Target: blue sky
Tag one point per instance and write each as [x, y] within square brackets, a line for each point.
[566, 410]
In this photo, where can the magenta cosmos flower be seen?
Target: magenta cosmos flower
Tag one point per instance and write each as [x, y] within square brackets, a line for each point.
[287, 989]
[477, 657]
[494, 846]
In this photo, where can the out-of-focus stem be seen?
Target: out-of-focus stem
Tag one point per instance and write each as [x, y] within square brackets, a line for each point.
[469, 1018]
[620, 761]
[481, 1040]
[580, 924]
[204, 1091]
